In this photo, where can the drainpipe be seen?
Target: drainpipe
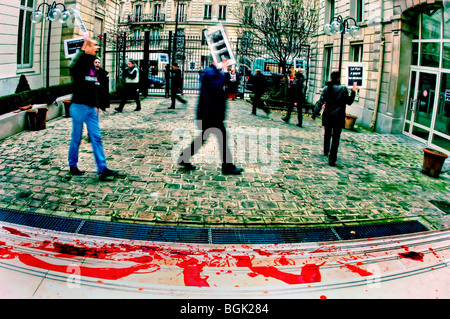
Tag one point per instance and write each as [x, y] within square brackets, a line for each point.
[378, 92]
[380, 72]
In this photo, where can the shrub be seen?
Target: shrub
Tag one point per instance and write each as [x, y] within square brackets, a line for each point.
[12, 102]
[23, 85]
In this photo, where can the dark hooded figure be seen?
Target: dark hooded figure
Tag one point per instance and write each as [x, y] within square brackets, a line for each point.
[211, 113]
[335, 97]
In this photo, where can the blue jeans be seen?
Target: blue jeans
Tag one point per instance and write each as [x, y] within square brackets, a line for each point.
[80, 114]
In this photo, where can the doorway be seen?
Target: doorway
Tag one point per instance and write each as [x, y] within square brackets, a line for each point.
[421, 104]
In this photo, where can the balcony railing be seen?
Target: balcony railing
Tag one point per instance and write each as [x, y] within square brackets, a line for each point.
[147, 17]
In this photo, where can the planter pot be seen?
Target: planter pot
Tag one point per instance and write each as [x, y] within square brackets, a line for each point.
[350, 122]
[67, 104]
[37, 118]
[432, 162]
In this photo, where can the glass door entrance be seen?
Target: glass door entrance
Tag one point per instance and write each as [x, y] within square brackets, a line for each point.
[421, 104]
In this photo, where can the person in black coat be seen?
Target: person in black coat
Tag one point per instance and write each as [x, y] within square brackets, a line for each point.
[103, 79]
[211, 113]
[258, 86]
[176, 85]
[335, 97]
[297, 99]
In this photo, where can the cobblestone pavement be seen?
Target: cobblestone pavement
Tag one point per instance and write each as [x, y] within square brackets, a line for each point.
[287, 180]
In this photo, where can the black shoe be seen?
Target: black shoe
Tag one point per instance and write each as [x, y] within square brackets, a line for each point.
[299, 125]
[285, 119]
[332, 163]
[232, 170]
[106, 173]
[137, 109]
[75, 171]
[118, 109]
[188, 166]
[171, 108]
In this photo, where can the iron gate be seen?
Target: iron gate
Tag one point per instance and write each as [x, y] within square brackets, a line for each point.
[154, 55]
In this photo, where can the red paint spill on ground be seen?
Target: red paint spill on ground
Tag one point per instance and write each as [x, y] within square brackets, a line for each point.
[357, 270]
[15, 231]
[309, 273]
[192, 271]
[103, 273]
[412, 255]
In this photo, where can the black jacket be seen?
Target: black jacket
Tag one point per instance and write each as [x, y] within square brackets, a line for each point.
[177, 81]
[297, 91]
[85, 84]
[211, 107]
[335, 105]
[258, 84]
[102, 76]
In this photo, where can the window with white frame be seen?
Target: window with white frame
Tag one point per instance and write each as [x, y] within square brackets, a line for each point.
[248, 14]
[157, 12]
[182, 13]
[25, 35]
[329, 10]
[208, 12]
[357, 9]
[222, 12]
[327, 63]
[357, 52]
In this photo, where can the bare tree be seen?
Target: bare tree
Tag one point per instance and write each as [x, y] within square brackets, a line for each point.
[279, 28]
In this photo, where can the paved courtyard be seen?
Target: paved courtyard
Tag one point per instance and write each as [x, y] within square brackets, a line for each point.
[287, 181]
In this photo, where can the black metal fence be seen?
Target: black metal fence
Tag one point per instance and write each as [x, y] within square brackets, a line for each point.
[154, 54]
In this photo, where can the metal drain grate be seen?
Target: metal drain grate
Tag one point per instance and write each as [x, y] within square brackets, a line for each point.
[209, 235]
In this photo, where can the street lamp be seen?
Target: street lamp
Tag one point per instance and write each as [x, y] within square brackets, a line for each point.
[53, 13]
[176, 34]
[339, 25]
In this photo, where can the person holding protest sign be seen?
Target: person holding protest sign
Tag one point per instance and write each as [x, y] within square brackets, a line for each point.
[86, 99]
[211, 113]
[335, 97]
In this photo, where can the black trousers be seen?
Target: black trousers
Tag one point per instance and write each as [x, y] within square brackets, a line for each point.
[220, 131]
[130, 93]
[175, 97]
[299, 111]
[332, 136]
[257, 103]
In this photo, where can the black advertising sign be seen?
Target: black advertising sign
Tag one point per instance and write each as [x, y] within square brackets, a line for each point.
[355, 73]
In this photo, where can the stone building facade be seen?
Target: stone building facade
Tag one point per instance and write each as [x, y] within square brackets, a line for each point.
[194, 16]
[24, 44]
[404, 49]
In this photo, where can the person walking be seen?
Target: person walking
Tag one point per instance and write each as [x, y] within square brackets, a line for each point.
[211, 112]
[297, 99]
[86, 99]
[258, 86]
[335, 97]
[131, 87]
[176, 85]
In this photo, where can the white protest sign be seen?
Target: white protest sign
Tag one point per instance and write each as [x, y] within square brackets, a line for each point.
[219, 46]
